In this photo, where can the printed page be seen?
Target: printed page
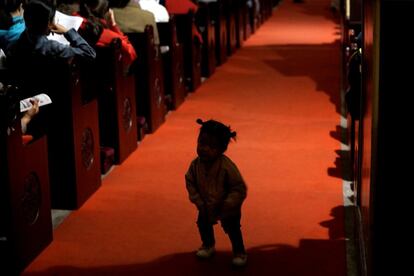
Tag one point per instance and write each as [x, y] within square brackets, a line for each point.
[68, 22]
[25, 104]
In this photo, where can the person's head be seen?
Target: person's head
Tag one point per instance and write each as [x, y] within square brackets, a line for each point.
[38, 16]
[97, 8]
[213, 139]
[119, 3]
[7, 8]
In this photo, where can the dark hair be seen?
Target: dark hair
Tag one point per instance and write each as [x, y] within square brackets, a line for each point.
[37, 16]
[93, 8]
[219, 130]
[7, 7]
[118, 3]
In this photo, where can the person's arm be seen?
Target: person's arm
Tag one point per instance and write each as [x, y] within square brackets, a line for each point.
[237, 190]
[193, 194]
[128, 51]
[78, 46]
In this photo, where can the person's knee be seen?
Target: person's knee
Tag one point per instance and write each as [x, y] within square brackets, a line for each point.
[231, 224]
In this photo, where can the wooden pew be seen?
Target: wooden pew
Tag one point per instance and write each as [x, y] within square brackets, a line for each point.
[25, 216]
[71, 124]
[207, 28]
[149, 77]
[192, 50]
[246, 19]
[240, 7]
[175, 89]
[219, 19]
[116, 99]
[230, 14]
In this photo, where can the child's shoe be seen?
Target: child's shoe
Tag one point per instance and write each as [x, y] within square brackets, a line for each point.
[239, 260]
[205, 252]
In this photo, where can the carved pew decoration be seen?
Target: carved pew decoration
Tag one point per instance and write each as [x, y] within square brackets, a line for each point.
[25, 216]
[117, 103]
[175, 89]
[148, 70]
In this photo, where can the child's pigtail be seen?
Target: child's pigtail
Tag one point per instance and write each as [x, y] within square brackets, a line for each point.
[233, 135]
[199, 121]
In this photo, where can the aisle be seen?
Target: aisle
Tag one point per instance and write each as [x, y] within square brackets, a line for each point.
[281, 94]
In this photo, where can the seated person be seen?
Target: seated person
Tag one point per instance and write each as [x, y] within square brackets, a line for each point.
[184, 7]
[180, 6]
[39, 19]
[33, 47]
[27, 116]
[99, 28]
[131, 18]
[11, 21]
[160, 12]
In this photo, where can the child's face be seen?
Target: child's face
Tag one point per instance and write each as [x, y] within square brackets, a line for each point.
[207, 147]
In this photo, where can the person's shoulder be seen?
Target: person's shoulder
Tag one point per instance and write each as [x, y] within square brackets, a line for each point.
[193, 164]
[147, 15]
[195, 161]
[227, 159]
[228, 163]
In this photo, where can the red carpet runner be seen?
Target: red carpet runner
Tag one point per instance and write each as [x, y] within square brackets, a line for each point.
[281, 94]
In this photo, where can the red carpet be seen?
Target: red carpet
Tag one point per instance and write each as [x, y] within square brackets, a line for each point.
[281, 94]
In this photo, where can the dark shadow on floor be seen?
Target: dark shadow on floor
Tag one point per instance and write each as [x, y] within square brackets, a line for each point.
[341, 167]
[320, 62]
[311, 258]
[327, 11]
[340, 134]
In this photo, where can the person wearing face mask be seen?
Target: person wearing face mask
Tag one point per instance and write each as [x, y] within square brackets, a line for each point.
[11, 21]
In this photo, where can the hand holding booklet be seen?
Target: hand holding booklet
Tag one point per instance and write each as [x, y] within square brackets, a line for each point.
[26, 104]
[68, 22]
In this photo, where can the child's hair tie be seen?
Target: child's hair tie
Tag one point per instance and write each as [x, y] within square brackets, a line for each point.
[199, 121]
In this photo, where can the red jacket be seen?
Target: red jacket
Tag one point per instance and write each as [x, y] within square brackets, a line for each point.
[183, 7]
[109, 34]
[180, 6]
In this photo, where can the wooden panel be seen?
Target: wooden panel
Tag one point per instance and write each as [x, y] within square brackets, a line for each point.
[26, 226]
[206, 26]
[148, 71]
[386, 171]
[173, 64]
[192, 50]
[230, 14]
[219, 19]
[71, 120]
[117, 103]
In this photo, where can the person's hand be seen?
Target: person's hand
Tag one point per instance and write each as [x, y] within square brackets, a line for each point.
[34, 109]
[110, 17]
[57, 28]
[27, 117]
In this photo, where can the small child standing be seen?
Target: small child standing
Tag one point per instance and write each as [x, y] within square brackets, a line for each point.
[217, 188]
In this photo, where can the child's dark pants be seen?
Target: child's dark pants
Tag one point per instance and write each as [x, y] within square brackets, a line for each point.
[231, 226]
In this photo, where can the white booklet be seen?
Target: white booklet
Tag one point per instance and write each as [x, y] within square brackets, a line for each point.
[25, 104]
[68, 21]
